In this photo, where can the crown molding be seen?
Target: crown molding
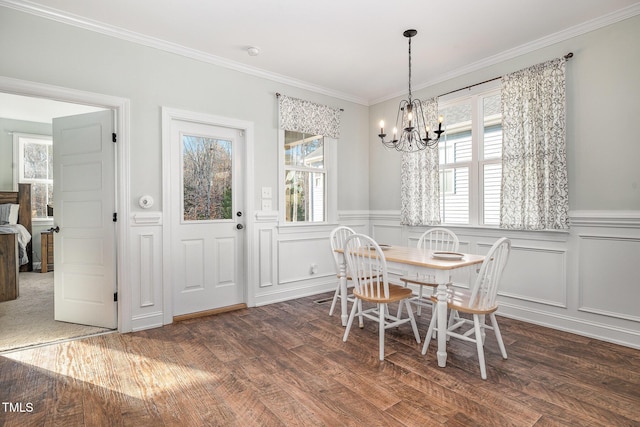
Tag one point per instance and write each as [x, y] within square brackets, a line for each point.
[91, 25]
[560, 36]
[132, 36]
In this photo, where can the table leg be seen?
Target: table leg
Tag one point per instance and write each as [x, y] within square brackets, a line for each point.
[342, 275]
[442, 279]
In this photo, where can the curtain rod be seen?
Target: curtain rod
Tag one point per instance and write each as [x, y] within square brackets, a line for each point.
[278, 96]
[567, 56]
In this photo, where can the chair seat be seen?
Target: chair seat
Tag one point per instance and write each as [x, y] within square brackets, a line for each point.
[458, 299]
[396, 293]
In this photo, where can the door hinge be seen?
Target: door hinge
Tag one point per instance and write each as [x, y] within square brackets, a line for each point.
[115, 217]
[114, 137]
[115, 297]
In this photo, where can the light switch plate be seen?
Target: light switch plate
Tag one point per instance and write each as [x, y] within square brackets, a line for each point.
[266, 204]
[266, 192]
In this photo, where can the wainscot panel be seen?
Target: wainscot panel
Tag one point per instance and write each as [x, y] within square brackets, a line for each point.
[608, 276]
[304, 258]
[146, 271]
[547, 285]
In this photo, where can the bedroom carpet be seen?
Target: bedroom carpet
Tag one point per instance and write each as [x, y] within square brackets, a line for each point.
[28, 320]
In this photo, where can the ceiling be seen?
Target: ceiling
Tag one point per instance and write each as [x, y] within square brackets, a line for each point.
[352, 49]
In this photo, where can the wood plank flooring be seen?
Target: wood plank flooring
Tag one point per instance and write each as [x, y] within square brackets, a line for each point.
[286, 365]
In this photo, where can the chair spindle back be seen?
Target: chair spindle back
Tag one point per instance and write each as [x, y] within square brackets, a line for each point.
[485, 288]
[367, 265]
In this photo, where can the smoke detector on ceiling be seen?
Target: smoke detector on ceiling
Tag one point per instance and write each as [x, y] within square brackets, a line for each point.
[253, 51]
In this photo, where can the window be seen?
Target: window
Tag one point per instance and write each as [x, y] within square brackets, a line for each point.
[207, 165]
[305, 177]
[34, 157]
[471, 160]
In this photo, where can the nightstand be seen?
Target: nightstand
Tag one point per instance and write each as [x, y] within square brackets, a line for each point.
[46, 251]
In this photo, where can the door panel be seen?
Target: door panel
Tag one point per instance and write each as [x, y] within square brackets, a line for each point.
[206, 195]
[84, 202]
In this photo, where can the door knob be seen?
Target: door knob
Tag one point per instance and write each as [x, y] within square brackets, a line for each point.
[57, 229]
[239, 226]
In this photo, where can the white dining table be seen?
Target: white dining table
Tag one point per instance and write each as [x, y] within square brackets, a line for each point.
[419, 261]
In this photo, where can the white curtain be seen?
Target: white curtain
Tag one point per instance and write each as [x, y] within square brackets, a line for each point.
[420, 179]
[535, 192]
[298, 115]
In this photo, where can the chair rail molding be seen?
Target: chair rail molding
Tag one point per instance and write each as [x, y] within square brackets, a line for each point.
[146, 218]
[605, 218]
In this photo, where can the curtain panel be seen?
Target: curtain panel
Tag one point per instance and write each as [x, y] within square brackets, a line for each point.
[535, 192]
[420, 179]
[298, 115]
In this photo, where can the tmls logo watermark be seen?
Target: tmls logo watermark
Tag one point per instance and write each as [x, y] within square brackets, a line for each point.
[17, 407]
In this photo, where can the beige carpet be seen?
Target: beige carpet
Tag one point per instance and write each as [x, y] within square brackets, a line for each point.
[28, 320]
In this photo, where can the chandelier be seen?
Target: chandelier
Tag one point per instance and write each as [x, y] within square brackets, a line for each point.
[415, 134]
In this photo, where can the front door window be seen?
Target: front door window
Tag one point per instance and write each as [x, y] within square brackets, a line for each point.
[207, 178]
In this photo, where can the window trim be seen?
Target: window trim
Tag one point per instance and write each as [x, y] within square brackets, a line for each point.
[477, 162]
[18, 161]
[331, 183]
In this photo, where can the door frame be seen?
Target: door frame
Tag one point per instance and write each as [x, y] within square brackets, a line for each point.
[168, 115]
[121, 109]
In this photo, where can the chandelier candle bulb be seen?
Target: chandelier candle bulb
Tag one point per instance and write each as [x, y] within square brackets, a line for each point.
[381, 127]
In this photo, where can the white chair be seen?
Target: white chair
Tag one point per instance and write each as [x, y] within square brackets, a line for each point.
[368, 268]
[337, 238]
[435, 239]
[479, 301]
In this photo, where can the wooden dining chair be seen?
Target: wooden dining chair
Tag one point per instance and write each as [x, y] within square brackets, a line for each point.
[435, 239]
[478, 301]
[368, 268]
[337, 238]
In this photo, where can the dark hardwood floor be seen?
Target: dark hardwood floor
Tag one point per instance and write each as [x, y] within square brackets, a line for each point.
[286, 365]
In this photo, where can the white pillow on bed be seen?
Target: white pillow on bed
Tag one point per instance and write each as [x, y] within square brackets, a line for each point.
[9, 213]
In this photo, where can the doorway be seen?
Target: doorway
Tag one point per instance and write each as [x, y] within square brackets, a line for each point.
[205, 180]
[24, 102]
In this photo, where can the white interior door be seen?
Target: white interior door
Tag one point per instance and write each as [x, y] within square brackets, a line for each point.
[207, 217]
[84, 205]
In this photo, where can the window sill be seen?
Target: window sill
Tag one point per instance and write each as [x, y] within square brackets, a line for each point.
[486, 230]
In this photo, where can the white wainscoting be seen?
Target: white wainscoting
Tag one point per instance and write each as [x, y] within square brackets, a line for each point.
[146, 271]
[582, 281]
[546, 285]
[608, 276]
[293, 261]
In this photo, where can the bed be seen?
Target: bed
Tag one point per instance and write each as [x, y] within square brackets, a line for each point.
[22, 228]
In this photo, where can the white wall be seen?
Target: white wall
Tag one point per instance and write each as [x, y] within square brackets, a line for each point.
[566, 292]
[584, 281]
[603, 93]
[42, 51]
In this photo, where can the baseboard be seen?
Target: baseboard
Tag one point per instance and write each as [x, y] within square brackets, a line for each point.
[600, 331]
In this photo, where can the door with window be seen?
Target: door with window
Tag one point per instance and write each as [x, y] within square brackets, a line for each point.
[207, 217]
